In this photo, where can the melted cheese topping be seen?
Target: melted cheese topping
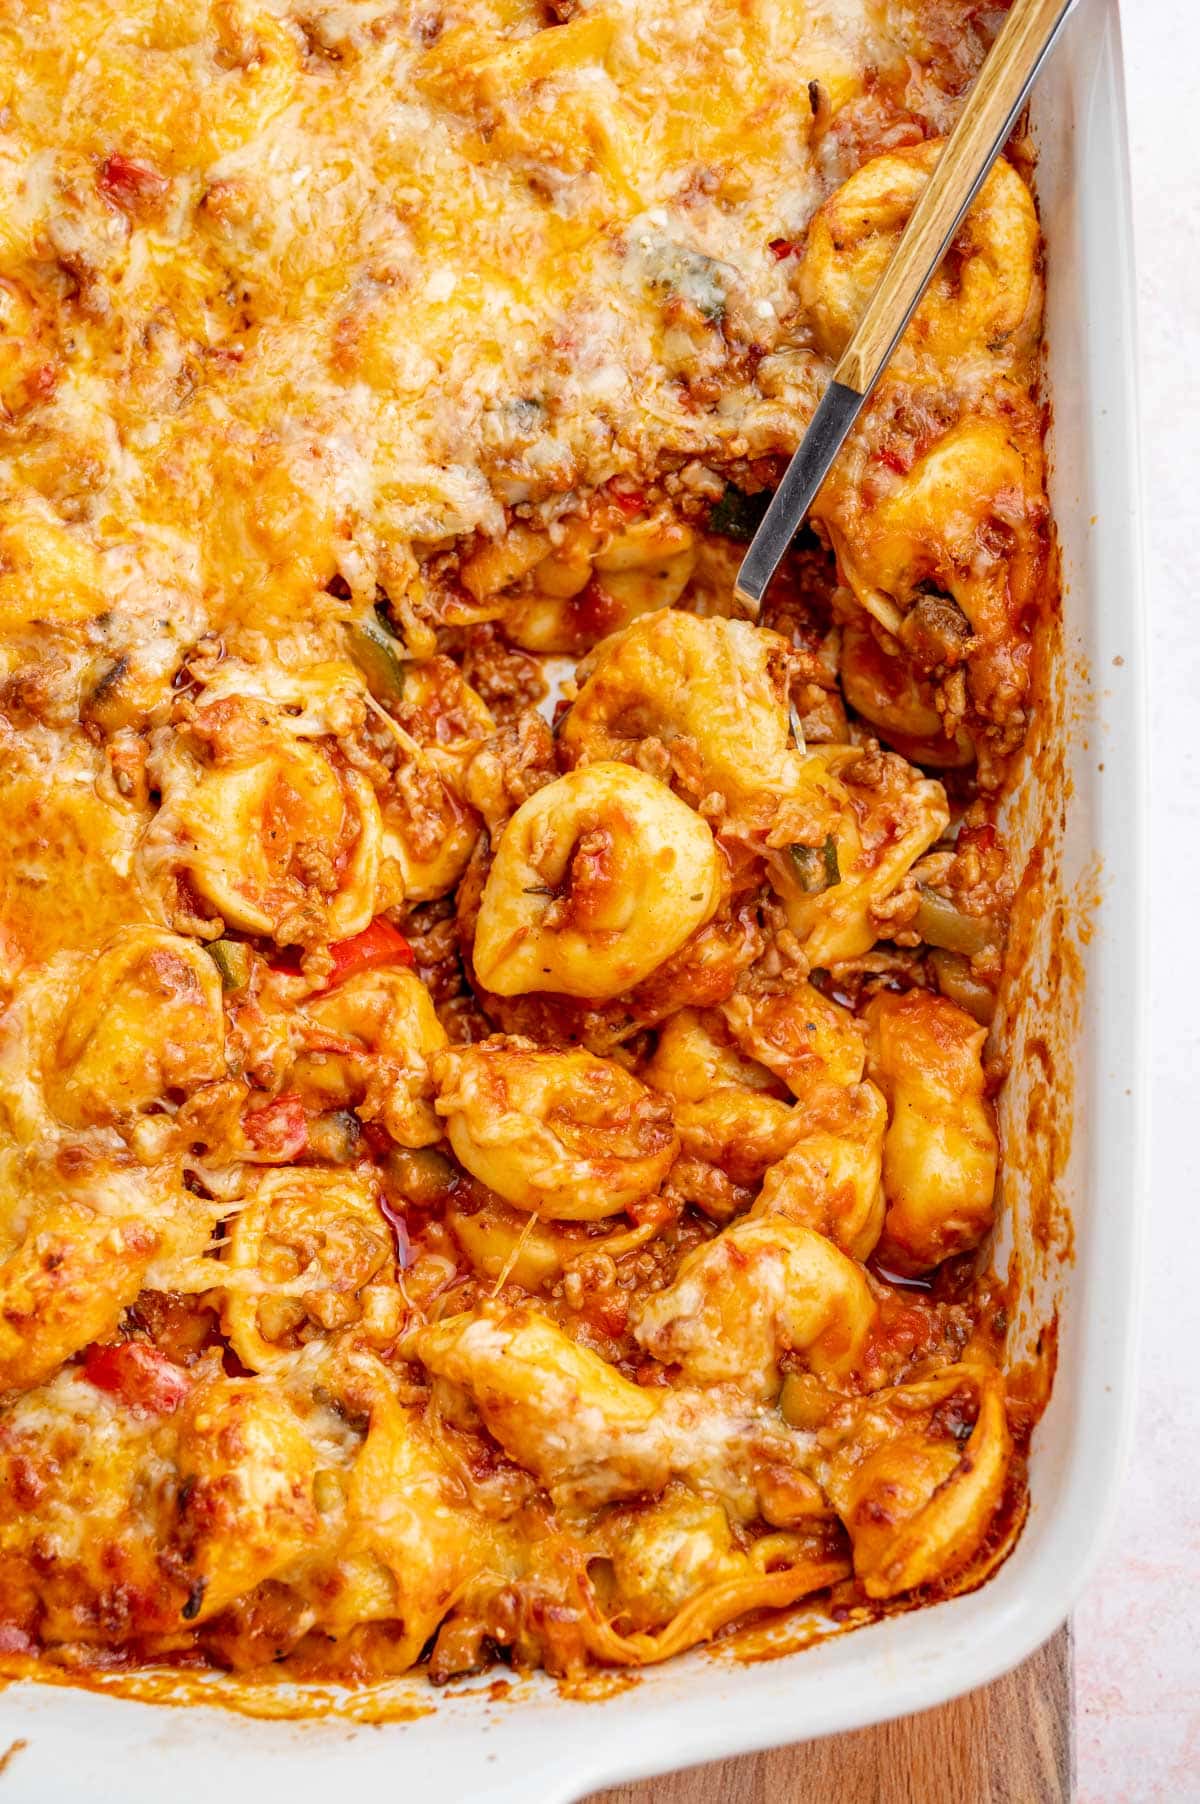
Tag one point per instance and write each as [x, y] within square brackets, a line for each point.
[298, 286]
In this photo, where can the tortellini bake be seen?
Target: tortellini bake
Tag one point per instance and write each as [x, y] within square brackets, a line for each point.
[499, 1050]
[598, 879]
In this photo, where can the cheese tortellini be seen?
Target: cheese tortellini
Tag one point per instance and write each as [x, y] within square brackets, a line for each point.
[597, 880]
[981, 295]
[244, 1525]
[732, 1122]
[375, 1036]
[144, 1025]
[940, 530]
[760, 1289]
[502, 1243]
[940, 1152]
[937, 512]
[673, 1574]
[68, 1281]
[561, 1134]
[800, 1035]
[271, 830]
[428, 830]
[309, 1251]
[830, 1176]
[916, 1473]
[592, 1437]
[409, 1541]
[713, 692]
[693, 1059]
[557, 1408]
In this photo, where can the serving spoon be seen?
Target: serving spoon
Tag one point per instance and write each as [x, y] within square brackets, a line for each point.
[991, 110]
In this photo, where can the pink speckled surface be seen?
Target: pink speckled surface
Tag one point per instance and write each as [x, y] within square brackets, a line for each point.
[1138, 1628]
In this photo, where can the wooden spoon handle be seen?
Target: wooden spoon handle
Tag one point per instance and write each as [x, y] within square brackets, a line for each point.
[976, 141]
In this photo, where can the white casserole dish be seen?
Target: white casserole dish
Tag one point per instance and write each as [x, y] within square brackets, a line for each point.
[535, 1747]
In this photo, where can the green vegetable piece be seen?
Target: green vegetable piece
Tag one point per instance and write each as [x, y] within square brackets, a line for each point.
[816, 867]
[379, 655]
[958, 983]
[232, 959]
[941, 923]
[737, 515]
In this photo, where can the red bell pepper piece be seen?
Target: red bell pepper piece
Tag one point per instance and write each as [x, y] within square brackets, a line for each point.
[127, 182]
[139, 1374]
[630, 501]
[279, 1130]
[378, 944]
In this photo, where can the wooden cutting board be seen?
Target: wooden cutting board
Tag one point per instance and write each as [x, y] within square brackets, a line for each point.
[1009, 1743]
